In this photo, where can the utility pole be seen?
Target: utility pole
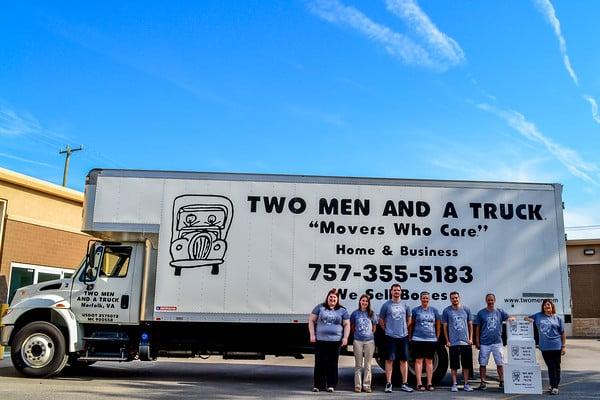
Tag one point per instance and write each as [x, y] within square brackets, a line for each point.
[68, 150]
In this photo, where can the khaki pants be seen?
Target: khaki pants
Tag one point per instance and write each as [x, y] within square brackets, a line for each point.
[363, 350]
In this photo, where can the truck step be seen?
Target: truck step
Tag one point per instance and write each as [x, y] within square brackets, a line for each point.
[105, 339]
[107, 336]
[117, 358]
[240, 355]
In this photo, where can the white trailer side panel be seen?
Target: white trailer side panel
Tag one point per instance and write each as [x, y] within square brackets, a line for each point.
[278, 264]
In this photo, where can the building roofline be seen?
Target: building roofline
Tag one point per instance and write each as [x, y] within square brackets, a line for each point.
[39, 185]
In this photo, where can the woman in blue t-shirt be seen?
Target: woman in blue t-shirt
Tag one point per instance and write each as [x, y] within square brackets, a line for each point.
[363, 323]
[424, 333]
[329, 327]
[553, 340]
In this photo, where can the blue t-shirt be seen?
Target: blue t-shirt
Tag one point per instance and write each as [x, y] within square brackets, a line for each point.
[363, 325]
[490, 325]
[424, 324]
[394, 314]
[550, 329]
[458, 328]
[330, 326]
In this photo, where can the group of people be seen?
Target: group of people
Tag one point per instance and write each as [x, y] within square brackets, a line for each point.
[330, 326]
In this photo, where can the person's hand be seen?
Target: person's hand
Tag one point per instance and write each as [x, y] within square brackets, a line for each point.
[313, 339]
[344, 342]
[528, 319]
[511, 319]
[447, 344]
[469, 342]
[563, 351]
[477, 346]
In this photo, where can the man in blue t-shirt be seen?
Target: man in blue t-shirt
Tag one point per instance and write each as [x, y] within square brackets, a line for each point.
[395, 319]
[488, 338]
[458, 331]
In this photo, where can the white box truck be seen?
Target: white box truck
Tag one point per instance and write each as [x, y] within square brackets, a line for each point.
[191, 264]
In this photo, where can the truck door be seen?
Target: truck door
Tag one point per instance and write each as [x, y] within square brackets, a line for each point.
[106, 290]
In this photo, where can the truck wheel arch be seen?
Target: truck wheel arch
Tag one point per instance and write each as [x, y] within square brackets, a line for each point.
[63, 319]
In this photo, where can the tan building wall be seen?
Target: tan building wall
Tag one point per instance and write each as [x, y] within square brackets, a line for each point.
[41, 225]
[584, 271]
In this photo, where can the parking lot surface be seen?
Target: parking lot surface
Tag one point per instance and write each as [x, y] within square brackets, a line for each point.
[281, 378]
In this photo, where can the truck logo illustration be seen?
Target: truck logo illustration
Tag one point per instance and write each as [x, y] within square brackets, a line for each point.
[199, 232]
[516, 376]
[514, 351]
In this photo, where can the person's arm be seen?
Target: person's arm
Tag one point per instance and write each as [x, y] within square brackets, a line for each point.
[382, 317]
[563, 336]
[508, 317]
[312, 323]
[446, 334]
[411, 328]
[346, 324]
[437, 329]
[470, 338]
[477, 333]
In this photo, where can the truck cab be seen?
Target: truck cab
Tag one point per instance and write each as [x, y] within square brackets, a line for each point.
[72, 320]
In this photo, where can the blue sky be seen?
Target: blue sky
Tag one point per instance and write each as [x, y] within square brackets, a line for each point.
[471, 90]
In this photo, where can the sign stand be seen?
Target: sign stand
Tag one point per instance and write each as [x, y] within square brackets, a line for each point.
[522, 373]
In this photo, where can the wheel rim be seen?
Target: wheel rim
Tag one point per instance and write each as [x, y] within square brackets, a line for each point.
[37, 350]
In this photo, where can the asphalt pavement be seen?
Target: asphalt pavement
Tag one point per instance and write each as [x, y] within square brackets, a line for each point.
[281, 378]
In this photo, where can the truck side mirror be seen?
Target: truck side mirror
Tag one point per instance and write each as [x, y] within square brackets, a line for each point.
[94, 262]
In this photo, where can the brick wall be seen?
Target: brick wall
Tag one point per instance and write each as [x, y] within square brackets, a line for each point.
[33, 244]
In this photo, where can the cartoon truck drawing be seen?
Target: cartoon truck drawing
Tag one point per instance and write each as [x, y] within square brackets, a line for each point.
[200, 226]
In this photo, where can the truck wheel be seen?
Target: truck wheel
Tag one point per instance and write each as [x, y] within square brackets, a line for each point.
[440, 367]
[38, 350]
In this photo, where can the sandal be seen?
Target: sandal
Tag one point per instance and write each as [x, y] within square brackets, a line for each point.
[430, 388]
[421, 388]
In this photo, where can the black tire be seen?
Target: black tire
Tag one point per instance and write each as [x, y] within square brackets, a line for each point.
[38, 350]
[440, 367]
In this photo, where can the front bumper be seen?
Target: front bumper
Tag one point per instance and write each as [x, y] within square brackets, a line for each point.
[5, 332]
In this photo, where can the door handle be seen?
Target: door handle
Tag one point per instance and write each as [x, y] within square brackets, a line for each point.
[125, 301]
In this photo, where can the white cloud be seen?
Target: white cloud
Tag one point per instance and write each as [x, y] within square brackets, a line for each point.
[13, 124]
[396, 44]
[547, 9]
[583, 221]
[594, 106]
[27, 160]
[444, 47]
[566, 156]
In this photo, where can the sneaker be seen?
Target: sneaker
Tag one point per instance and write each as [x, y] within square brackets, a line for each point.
[454, 388]
[467, 388]
[367, 389]
[482, 386]
[315, 389]
[330, 389]
[406, 388]
[388, 388]
[554, 391]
